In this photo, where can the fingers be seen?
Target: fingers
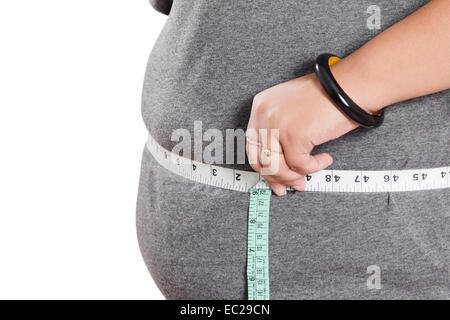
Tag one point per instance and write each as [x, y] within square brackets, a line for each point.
[279, 176]
[252, 150]
[298, 185]
[279, 169]
[278, 188]
[272, 166]
[305, 163]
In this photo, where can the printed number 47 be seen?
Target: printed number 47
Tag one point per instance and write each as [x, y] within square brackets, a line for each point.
[365, 179]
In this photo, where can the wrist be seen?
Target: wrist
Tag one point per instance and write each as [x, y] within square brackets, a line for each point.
[358, 82]
[343, 122]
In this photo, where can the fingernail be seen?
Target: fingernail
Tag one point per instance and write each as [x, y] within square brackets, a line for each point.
[279, 191]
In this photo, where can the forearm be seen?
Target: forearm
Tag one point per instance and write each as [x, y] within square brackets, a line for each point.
[408, 60]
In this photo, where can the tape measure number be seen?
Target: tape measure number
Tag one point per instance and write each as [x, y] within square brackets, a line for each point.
[260, 192]
[258, 245]
[323, 181]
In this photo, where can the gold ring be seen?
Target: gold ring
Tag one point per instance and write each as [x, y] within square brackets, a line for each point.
[267, 152]
[252, 142]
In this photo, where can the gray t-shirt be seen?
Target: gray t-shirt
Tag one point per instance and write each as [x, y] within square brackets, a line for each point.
[209, 61]
[213, 56]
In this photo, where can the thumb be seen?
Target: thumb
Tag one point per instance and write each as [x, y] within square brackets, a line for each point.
[307, 163]
[321, 161]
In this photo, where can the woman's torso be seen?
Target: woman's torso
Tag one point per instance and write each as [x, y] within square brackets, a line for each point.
[211, 58]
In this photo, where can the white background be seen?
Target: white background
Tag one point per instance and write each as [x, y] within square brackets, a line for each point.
[71, 137]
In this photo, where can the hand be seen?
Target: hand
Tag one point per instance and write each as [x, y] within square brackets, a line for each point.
[305, 117]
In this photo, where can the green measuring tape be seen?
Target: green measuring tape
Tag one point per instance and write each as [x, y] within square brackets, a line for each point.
[258, 245]
[348, 181]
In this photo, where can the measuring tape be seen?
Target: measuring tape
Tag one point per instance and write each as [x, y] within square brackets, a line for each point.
[259, 208]
[258, 245]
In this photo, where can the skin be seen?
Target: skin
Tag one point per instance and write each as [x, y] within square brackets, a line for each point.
[406, 61]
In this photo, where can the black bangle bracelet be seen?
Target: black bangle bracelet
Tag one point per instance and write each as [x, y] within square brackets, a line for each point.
[339, 97]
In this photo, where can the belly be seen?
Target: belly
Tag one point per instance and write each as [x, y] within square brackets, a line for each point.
[210, 60]
[321, 246]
